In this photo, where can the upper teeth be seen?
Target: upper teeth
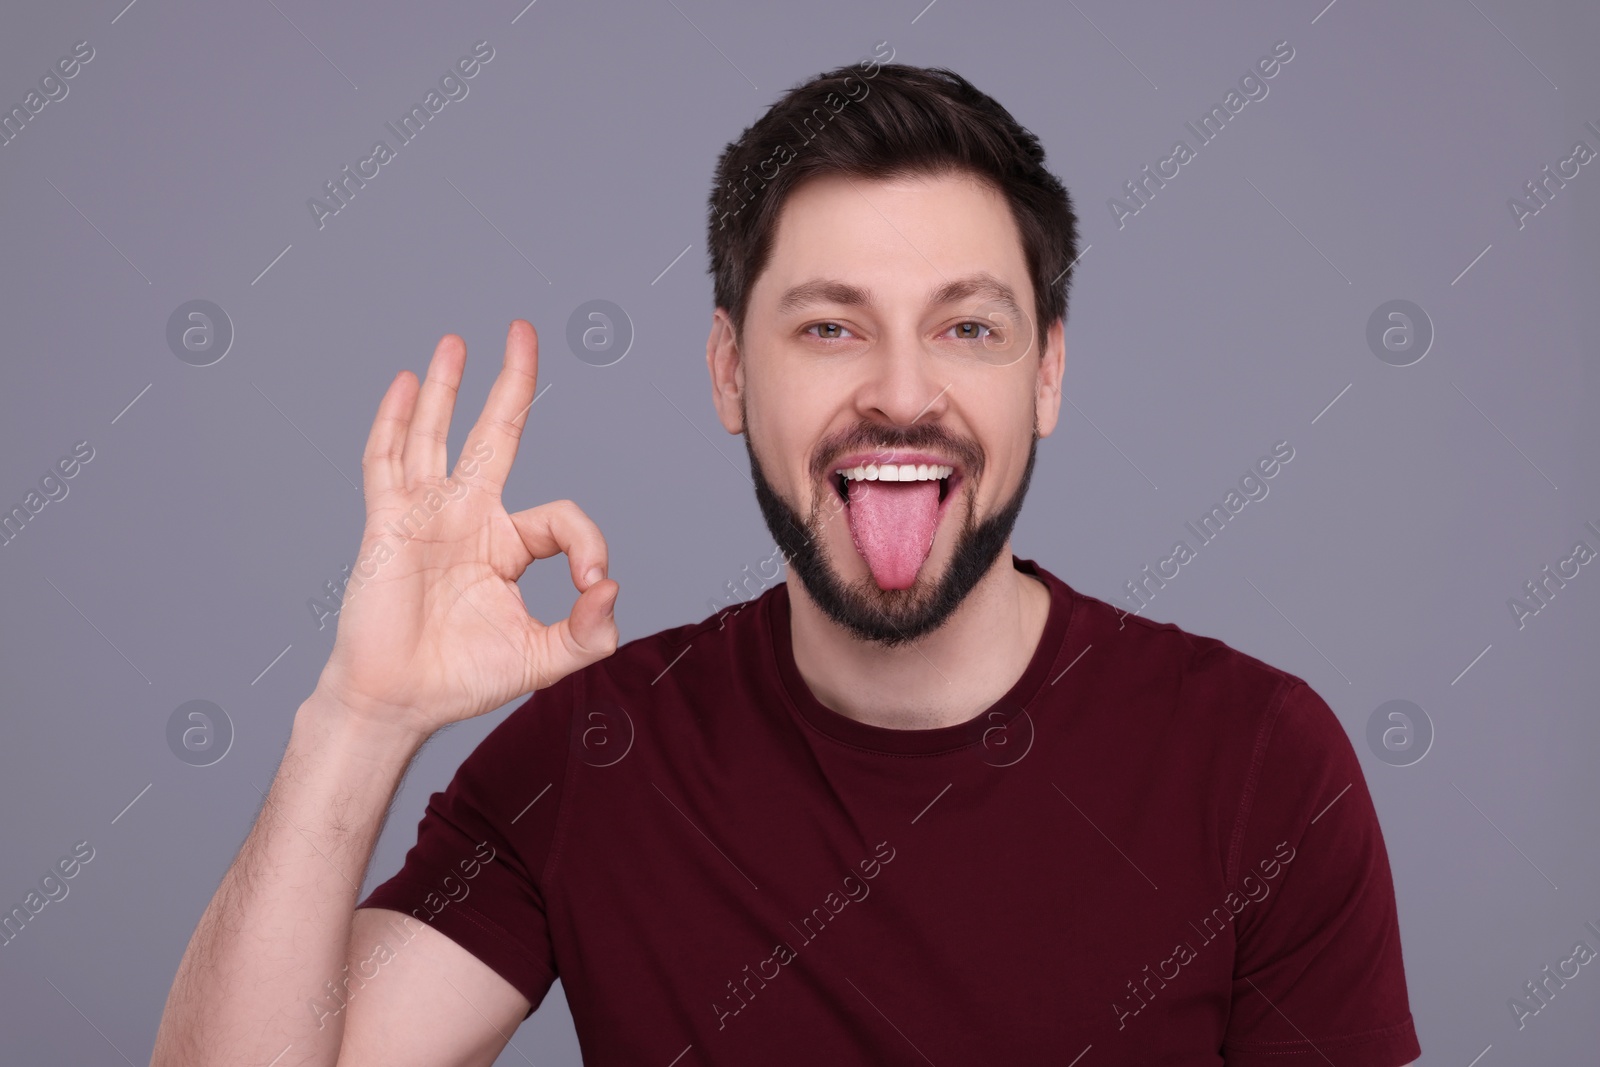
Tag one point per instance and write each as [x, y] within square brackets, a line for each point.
[891, 472]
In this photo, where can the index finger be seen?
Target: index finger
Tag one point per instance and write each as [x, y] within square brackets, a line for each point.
[505, 412]
[561, 527]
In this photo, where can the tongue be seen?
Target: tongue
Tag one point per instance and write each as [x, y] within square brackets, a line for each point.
[892, 524]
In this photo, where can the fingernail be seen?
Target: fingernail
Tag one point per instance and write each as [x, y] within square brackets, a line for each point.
[612, 607]
[594, 574]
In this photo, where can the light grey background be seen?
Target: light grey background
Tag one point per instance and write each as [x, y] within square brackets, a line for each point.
[1225, 316]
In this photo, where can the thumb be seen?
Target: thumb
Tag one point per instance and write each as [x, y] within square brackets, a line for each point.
[586, 636]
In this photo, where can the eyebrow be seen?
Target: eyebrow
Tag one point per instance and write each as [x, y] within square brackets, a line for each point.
[833, 291]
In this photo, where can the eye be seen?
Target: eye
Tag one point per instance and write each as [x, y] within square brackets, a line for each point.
[964, 330]
[829, 331]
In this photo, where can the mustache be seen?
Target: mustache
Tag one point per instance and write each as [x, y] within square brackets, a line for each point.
[867, 437]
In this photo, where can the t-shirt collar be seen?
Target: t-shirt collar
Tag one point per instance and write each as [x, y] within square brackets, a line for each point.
[842, 728]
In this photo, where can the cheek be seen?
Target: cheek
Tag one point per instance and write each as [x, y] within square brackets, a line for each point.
[785, 422]
[1005, 438]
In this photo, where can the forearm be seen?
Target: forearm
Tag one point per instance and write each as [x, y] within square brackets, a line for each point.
[254, 979]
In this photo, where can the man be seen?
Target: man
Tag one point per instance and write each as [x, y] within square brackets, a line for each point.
[922, 802]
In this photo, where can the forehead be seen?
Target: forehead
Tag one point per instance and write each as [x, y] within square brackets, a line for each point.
[901, 237]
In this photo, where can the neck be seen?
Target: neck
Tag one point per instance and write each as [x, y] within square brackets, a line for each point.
[941, 679]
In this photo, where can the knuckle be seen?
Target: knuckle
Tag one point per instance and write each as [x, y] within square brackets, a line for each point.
[567, 513]
[575, 646]
[601, 646]
[440, 381]
[430, 433]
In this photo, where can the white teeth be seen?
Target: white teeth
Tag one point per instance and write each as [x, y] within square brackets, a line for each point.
[896, 472]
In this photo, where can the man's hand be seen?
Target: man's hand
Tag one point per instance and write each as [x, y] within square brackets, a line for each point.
[433, 629]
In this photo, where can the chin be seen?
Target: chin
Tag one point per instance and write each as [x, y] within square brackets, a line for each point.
[890, 617]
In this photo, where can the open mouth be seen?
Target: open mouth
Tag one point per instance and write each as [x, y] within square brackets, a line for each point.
[894, 472]
[894, 504]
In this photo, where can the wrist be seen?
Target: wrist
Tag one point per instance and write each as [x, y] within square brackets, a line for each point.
[359, 727]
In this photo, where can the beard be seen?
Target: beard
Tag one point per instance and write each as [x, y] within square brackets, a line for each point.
[890, 617]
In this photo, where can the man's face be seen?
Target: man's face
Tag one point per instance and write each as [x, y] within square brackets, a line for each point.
[891, 333]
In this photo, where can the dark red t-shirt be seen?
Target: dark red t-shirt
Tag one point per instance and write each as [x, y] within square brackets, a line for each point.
[1154, 848]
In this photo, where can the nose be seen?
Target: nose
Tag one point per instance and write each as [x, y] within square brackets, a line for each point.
[902, 383]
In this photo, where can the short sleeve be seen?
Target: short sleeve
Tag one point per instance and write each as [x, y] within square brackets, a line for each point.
[473, 873]
[1318, 974]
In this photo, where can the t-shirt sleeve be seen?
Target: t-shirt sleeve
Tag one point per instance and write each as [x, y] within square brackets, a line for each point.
[482, 844]
[1318, 974]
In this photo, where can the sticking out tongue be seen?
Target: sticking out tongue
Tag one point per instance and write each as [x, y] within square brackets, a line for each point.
[893, 524]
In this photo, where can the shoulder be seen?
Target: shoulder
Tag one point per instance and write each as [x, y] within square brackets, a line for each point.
[1163, 659]
[1259, 741]
[589, 717]
[1156, 686]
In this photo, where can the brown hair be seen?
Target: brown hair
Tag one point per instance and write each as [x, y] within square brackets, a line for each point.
[882, 120]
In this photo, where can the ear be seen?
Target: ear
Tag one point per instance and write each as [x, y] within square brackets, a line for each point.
[1047, 390]
[726, 365]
